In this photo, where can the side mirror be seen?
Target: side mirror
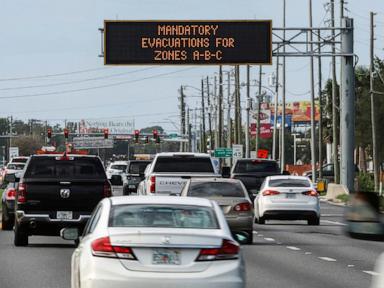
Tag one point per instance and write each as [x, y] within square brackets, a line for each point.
[70, 234]
[116, 180]
[10, 178]
[241, 237]
[226, 172]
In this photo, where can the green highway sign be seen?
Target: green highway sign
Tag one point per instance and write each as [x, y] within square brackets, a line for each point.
[223, 152]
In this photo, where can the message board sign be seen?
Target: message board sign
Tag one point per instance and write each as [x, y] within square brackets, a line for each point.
[187, 42]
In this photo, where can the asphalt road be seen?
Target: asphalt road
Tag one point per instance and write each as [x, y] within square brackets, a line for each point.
[284, 254]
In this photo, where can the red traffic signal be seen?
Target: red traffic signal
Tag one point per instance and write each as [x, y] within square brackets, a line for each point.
[66, 133]
[49, 133]
[155, 134]
[137, 134]
[106, 133]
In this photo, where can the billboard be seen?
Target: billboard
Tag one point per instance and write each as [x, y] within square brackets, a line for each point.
[187, 42]
[114, 127]
[91, 142]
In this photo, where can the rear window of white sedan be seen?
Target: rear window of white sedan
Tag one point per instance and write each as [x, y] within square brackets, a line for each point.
[289, 183]
[167, 216]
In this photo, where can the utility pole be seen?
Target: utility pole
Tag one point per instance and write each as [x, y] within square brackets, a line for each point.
[282, 156]
[238, 111]
[258, 128]
[215, 115]
[320, 109]
[220, 108]
[209, 116]
[189, 131]
[182, 117]
[229, 120]
[248, 107]
[236, 122]
[335, 138]
[276, 110]
[347, 104]
[313, 124]
[203, 139]
[372, 94]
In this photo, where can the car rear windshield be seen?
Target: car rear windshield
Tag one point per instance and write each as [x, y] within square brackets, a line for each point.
[73, 168]
[184, 165]
[289, 183]
[20, 160]
[253, 166]
[14, 166]
[121, 167]
[215, 189]
[137, 167]
[168, 216]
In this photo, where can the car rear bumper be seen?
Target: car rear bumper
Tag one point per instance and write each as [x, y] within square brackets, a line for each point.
[303, 210]
[290, 214]
[242, 223]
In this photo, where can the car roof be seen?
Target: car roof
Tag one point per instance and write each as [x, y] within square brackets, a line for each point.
[171, 200]
[214, 179]
[171, 154]
[61, 154]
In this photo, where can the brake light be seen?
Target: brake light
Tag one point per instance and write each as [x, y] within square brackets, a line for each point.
[152, 184]
[228, 250]
[102, 247]
[11, 194]
[22, 193]
[246, 206]
[270, 192]
[311, 193]
[107, 190]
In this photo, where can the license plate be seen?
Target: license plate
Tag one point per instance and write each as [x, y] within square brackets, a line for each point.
[64, 215]
[166, 257]
[290, 196]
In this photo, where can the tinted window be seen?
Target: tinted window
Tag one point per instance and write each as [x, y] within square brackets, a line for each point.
[138, 167]
[251, 166]
[77, 168]
[215, 189]
[289, 183]
[169, 216]
[20, 160]
[119, 167]
[183, 164]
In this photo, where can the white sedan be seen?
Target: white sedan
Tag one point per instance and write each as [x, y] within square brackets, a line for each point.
[156, 242]
[287, 198]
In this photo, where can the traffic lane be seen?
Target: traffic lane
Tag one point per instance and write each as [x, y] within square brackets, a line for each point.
[45, 263]
[274, 265]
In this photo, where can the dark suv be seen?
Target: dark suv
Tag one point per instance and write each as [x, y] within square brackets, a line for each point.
[135, 174]
[58, 191]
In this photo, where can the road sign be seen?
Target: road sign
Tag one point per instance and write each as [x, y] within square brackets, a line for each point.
[13, 152]
[262, 153]
[92, 142]
[187, 42]
[237, 151]
[223, 152]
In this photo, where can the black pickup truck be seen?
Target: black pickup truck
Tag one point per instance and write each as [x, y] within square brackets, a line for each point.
[252, 172]
[58, 191]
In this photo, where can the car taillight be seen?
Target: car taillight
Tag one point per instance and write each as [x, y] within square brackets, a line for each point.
[228, 250]
[102, 247]
[246, 206]
[11, 194]
[22, 193]
[107, 190]
[311, 193]
[270, 192]
[152, 184]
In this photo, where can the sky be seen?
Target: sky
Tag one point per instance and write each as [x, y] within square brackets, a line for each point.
[50, 67]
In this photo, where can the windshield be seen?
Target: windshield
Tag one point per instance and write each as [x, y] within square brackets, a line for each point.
[120, 167]
[253, 166]
[289, 183]
[169, 216]
[184, 165]
[138, 167]
[215, 189]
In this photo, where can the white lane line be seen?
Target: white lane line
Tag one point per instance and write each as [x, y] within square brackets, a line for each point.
[327, 259]
[293, 248]
[332, 215]
[350, 266]
[334, 222]
[254, 232]
[308, 253]
[269, 239]
[372, 273]
[279, 243]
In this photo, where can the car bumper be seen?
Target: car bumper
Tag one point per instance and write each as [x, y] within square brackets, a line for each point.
[296, 211]
[111, 274]
[244, 223]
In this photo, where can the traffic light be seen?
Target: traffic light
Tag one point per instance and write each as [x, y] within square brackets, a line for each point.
[146, 139]
[66, 133]
[49, 133]
[106, 133]
[155, 134]
[137, 135]
[158, 140]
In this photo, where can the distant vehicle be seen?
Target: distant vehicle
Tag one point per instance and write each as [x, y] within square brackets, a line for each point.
[58, 191]
[169, 172]
[14, 167]
[8, 205]
[252, 173]
[135, 174]
[232, 197]
[19, 159]
[328, 172]
[138, 241]
[117, 167]
[287, 198]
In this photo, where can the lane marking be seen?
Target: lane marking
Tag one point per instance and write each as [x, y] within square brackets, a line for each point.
[350, 265]
[308, 253]
[334, 222]
[373, 273]
[332, 215]
[279, 243]
[293, 248]
[254, 232]
[269, 239]
[327, 259]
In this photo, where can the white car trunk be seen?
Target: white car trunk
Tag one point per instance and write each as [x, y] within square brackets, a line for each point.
[291, 195]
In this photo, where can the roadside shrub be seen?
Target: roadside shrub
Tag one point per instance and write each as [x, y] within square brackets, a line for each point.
[366, 182]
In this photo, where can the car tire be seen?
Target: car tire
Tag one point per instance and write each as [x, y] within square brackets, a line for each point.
[6, 222]
[314, 221]
[250, 238]
[261, 220]
[21, 237]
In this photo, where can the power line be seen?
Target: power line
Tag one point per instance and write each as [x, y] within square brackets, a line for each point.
[95, 87]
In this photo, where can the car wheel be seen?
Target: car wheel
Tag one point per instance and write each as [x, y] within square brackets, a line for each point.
[250, 238]
[21, 237]
[261, 220]
[314, 221]
[6, 223]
